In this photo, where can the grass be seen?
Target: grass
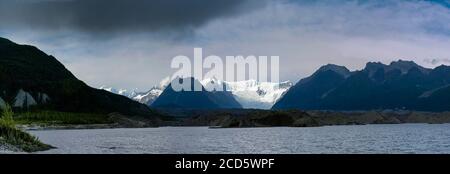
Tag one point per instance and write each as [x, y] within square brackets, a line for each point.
[11, 135]
[60, 118]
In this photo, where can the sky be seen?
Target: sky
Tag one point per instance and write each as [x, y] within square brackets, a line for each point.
[130, 44]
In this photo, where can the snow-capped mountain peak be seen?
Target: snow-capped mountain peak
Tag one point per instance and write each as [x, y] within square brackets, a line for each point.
[148, 97]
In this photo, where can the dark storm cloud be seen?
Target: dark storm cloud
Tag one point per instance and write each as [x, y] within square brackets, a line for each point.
[96, 16]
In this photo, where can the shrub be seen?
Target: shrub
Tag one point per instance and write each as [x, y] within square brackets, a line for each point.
[6, 118]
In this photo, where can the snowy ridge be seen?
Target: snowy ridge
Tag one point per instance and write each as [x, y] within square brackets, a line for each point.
[142, 97]
[124, 92]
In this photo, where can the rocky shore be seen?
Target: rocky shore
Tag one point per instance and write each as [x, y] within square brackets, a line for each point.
[116, 120]
[244, 118]
[296, 118]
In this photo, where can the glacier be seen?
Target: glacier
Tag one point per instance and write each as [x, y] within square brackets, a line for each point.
[252, 94]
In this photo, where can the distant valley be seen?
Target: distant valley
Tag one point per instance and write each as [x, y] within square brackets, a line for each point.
[42, 90]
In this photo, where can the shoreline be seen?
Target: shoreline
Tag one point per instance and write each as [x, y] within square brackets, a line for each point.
[14, 140]
[216, 119]
[34, 127]
[99, 127]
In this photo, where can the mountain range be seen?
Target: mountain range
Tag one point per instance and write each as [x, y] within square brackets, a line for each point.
[250, 94]
[401, 85]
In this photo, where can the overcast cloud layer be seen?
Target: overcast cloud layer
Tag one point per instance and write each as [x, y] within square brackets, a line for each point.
[106, 16]
[129, 44]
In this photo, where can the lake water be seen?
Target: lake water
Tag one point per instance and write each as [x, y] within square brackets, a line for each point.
[403, 138]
